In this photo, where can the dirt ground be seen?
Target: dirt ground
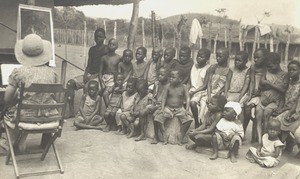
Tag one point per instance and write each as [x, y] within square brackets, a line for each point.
[98, 155]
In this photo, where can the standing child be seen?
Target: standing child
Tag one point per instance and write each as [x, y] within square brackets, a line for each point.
[88, 117]
[184, 64]
[127, 101]
[273, 85]
[139, 112]
[174, 99]
[229, 132]
[269, 152]
[202, 136]
[256, 71]
[152, 69]
[140, 65]
[125, 66]
[114, 103]
[198, 82]
[159, 89]
[109, 67]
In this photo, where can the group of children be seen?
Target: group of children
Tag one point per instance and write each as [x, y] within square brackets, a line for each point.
[221, 100]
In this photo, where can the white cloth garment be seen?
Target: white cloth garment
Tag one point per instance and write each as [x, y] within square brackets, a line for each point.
[196, 31]
[264, 29]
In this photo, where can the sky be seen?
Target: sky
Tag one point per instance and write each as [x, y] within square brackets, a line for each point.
[250, 11]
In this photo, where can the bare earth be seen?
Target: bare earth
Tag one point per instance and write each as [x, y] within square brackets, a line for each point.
[95, 154]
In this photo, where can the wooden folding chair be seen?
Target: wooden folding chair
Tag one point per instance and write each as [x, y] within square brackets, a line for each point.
[49, 126]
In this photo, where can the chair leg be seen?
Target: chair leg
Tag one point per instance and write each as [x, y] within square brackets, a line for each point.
[45, 139]
[48, 146]
[12, 153]
[57, 159]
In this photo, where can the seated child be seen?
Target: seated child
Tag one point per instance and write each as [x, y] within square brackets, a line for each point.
[286, 114]
[168, 61]
[140, 65]
[88, 117]
[202, 136]
[198, 82]
[154, 108]
[174, 99]
[127, 101]
[269, 152]
[114, 103]
[152, 68]
[125, 66]
[273, 85]
[253, 97]
[109, 67]
[229, 132]
[137, 117]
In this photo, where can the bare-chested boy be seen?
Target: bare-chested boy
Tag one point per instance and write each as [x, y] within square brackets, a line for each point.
[140, 65]
[125, 66]
[174, 99]
[91, 71]
[109, 67]
[152, 68]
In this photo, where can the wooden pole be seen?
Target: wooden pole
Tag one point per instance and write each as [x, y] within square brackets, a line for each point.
[254, 43]
[84, 45]
[104, 27]
[272, 39]
[153, 28]
[225, 36]
[143, 33]
[209, 35]
[115, 30]
[133, 24]
[287, 47]
[241, 37]
[64, 62]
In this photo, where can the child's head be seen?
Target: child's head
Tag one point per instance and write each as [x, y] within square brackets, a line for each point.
[222, 55]
[162, 75]
[169, 54]
[156, 54]
[119, 79]
[232, 110]
[130, 86]
[175, 77]
[217, 103]
[99, 36]
[273, 62]
[127, 56]
[202, 57]
[274, 128]
[260, 56]
[184, 54]
[141, 53]
[112, 45]
[241, 59]
[294, 70]
[142, 87]
[93, 88]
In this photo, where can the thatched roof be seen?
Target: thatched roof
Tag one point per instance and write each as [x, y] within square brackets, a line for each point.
[90, 2]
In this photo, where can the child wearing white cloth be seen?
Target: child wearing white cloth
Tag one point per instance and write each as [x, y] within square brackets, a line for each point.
[229, 132]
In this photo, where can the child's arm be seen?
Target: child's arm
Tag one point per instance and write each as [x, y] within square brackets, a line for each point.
[212, 127]
[100, 74]
[82, 101]
[164, 98]
[245, 86]
[204, 86]
[187, 98]
[281, 87]
[209, 83]
[227, 83]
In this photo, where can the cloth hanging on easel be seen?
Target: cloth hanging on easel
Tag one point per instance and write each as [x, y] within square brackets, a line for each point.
[196, 31]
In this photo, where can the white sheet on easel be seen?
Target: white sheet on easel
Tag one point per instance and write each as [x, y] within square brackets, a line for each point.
[6, 70]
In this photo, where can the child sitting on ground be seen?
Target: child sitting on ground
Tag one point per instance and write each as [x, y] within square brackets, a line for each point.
[140, 65]
[125, 66]
[174, 99]
[256, 71]
[229, 132]
[202, 136]
[154, 108]
[114, 103]
[198, 82]
[88, 117]
[127, 101]
[269, 152]
[109, 67]
[137, 117]
[273, 85]
[153, 67]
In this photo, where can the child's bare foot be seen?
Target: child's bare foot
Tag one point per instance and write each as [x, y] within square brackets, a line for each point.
[191, 146]
[141, 137]
[130, 134]
[154, 141]
[214, 156]
[233, 159]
